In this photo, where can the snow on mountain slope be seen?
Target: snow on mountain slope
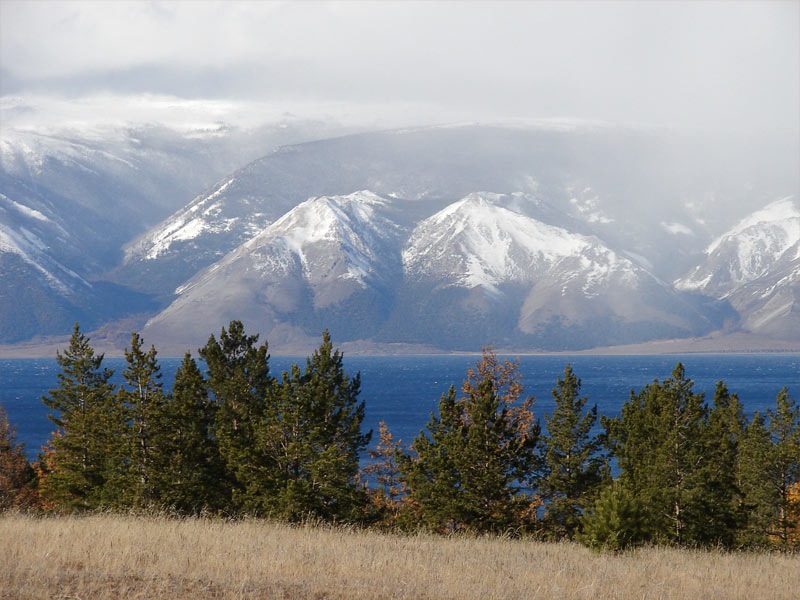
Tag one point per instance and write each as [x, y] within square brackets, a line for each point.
[187, 224]
[478, 242]
[748, 251]
[756, 267]
[329, 257]
[482, 270]
[346, 238]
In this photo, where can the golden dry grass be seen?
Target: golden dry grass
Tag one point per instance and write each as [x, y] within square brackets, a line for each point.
[107, 556]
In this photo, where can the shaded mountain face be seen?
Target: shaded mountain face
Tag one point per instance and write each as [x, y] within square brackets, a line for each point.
[756, 267]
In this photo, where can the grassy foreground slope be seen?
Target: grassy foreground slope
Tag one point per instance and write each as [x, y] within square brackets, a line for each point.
[111, 556]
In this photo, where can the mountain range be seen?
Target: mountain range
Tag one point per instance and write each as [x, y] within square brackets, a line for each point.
[529, 236]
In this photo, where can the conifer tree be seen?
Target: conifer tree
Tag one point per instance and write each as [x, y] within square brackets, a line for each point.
[388, 492]
[770, 458]
[88, 423]
[311, 438]
[784, 468]
[574, 468]
[616, 521]
[658, 441]
[239, 382]
[145, 443]
[760, 497]
[720, 514]
[472, 468]
[192, 481]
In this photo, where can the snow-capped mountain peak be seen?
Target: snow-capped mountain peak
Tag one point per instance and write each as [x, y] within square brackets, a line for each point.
[478, 242]
[748, 251]
[352, 224]
[780, 219]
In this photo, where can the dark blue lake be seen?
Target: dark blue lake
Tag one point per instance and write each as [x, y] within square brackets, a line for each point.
[403, 390]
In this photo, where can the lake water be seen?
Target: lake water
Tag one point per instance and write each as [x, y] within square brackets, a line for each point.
[403, 390]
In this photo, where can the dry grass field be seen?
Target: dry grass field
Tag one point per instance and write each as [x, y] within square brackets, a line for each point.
[106, 556]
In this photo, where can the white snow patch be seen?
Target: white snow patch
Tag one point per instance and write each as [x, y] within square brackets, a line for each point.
[677, 228]
[24, 210]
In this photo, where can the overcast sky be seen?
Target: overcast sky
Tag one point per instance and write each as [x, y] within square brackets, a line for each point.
[715, 65]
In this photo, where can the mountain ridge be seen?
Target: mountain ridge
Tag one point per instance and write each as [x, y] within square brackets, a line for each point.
[621, 218]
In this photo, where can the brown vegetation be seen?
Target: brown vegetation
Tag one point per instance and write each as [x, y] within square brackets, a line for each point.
[112, 556]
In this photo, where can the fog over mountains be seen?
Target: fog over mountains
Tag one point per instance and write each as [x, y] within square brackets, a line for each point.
[531, 236]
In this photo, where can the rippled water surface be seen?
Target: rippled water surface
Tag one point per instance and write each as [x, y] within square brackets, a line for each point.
[403, 390]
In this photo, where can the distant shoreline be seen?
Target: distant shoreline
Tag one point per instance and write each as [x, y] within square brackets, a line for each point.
[735, 343]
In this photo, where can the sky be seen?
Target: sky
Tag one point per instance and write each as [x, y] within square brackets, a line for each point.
[696, 65]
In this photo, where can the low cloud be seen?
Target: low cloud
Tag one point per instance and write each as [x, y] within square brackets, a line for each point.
[716, 65]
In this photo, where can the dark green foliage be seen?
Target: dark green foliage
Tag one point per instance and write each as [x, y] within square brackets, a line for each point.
[472, 469]
[84, 461]
[770, 467]
[783, 471]
[720, 516]
[760, 497]
[239, 382]
[310, 439]
[574, 468]
[240, 442]
[659, 444]
[144, 445]
[192, 482]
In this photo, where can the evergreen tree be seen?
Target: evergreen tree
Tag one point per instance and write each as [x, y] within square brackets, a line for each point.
[760, 497]
[239, 382]
[720, 514]
[616, 522]
[784, 468]
[659, 443]
[473, 467]
[88, 423]
[145, 444]
[192, 482]
[311, 439]
[573, 466]
[17, 477]
[770, 458]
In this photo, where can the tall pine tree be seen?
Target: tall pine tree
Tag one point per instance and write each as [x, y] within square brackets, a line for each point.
[574, 468]
[193, 481]
[720, 514]
[472, 468]
[89, 423]
[659, 443]
[784, 468]
[770, 457]
[145, 443]
[311, 439]
[239, 382]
